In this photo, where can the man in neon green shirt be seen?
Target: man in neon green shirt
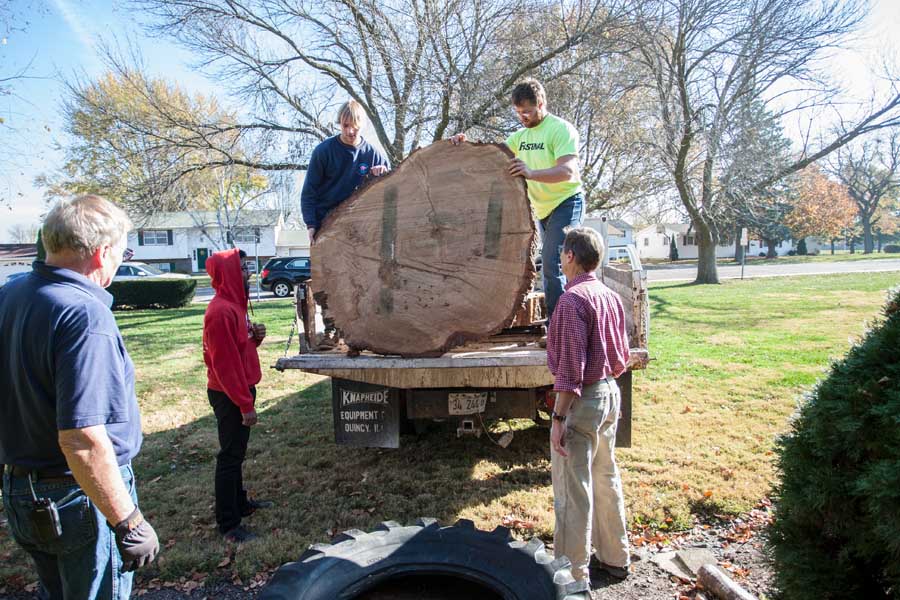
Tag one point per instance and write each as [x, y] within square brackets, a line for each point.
[546, 151]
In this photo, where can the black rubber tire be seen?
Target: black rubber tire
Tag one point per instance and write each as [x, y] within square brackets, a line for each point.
[282, 283]
[357, 561]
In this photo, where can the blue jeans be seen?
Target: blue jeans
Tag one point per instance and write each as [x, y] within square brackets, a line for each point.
[568, 214]
[84, 562]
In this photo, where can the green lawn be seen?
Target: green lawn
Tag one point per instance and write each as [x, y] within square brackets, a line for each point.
[840, 256]
[729, 364]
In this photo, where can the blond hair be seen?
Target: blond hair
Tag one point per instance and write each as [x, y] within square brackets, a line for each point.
[84, 224]
[351, 112]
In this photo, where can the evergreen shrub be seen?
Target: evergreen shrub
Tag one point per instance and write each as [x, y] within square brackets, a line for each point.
[891, 248]
[158, 292]
[836, 532]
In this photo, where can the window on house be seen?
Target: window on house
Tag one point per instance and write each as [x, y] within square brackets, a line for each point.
[688, 240]
[247, 236]
[156, 237]
[646, 241]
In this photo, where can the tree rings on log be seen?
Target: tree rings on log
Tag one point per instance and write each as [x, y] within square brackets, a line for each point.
[434, 254]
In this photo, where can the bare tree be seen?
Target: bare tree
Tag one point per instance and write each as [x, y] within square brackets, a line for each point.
[603, 99]
[23, 234]
[420, 68]
[221, 216]
[871, 172]
[706, 61]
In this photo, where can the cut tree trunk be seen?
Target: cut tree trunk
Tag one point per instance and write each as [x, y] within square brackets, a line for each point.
[432, 255]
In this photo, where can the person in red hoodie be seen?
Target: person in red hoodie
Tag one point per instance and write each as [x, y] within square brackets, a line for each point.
[232, 367]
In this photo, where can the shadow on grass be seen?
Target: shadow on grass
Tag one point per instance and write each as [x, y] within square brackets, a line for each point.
[319, 489]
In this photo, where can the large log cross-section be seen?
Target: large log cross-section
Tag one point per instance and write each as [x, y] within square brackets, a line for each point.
[434, 254]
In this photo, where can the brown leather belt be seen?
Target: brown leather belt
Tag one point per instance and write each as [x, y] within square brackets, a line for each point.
[39, 474]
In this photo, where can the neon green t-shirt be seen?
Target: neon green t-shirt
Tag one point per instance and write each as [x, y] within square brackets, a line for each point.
[539, 148]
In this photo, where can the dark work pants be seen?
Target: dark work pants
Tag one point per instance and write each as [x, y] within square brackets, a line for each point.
[231, 497]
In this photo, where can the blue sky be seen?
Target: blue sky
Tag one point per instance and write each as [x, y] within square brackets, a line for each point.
[60, 40]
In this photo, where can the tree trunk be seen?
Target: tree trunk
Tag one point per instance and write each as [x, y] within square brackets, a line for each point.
[832, 246]
[707, 271]
[738, 247]
[432, 255]
[851, 243]
[868, 245]
[770, 248]
[879, 241]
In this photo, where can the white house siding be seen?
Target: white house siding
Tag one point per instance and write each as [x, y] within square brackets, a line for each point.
[757, 246]
[627, 237]
[652, 244]
[181, 254]
[292, 242]
[178, 255]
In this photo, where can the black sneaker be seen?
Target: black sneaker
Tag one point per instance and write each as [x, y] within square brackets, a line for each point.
[618, 573]
[239, 535]
[255, 505]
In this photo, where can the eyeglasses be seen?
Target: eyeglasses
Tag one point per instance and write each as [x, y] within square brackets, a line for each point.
[128, 254]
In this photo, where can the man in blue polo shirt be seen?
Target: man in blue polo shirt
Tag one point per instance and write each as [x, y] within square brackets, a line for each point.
[69, 419]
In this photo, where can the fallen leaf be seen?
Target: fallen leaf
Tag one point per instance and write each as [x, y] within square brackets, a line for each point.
[707, 494]
[224, 562]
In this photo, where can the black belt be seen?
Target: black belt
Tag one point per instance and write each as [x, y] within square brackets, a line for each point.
[38, 474]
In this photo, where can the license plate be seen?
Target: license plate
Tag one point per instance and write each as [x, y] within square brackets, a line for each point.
[467, 404]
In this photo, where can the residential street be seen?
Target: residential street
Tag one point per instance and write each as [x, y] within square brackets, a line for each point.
[689, 272]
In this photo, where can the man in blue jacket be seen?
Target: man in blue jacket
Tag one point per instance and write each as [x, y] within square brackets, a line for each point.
[337, 167]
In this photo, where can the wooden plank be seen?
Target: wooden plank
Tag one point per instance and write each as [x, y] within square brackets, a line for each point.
[511, 356]
[433, 255]
[442, 377]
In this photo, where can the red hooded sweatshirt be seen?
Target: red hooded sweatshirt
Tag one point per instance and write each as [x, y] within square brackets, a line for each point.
[229, 349]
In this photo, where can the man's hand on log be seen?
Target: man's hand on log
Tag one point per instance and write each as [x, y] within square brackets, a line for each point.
[518, 168]
[456, 139]
[379, 170]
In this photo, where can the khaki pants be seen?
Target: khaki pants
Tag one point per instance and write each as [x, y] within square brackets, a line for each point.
[587, 489]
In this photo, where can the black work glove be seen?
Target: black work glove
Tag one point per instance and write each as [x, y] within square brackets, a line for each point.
[137, 541]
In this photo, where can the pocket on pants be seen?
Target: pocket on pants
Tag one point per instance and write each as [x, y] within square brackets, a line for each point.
[76, 517]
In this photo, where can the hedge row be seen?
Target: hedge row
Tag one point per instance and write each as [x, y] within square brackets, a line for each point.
[152, 293]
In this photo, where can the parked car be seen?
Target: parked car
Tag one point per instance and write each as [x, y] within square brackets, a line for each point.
[281, 274]
[129, 271]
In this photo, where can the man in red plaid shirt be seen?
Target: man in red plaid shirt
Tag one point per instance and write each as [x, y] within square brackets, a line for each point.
[587, 348]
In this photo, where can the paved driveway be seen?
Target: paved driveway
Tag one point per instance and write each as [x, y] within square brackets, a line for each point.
[689, 272]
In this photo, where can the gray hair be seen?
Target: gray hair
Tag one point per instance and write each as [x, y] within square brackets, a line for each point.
[84, 224]
[587, 245]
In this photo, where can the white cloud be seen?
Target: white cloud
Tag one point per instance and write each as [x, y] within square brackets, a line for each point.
[73, 20]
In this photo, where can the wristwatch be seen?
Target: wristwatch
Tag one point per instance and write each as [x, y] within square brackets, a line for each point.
[557, 417]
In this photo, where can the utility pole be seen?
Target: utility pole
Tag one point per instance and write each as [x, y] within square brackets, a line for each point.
[256, 258]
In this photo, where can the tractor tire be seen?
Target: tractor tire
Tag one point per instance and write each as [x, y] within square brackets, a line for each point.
[357, 562]
[281, 288]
